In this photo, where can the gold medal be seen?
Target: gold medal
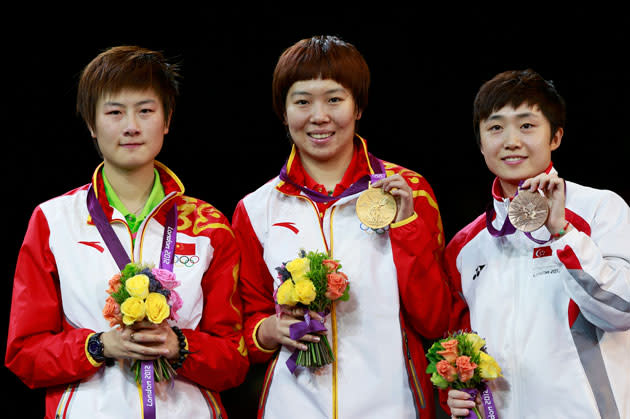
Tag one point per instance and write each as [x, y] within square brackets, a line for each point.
[528, 211]
[376, 208]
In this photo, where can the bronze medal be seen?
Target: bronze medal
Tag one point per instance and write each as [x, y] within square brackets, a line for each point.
[528, 211]
[376, 208]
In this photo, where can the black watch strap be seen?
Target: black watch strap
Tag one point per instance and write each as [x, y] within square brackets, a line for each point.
[95, 348]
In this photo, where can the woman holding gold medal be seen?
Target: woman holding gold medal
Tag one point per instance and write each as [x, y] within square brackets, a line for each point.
[379, 220]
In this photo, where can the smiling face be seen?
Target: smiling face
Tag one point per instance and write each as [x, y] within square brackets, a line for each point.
[517, 144]
[321, 117]
[129, 128]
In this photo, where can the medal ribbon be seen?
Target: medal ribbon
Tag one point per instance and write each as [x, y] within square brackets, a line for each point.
[507, 228]
[356, 187]
[116, 249]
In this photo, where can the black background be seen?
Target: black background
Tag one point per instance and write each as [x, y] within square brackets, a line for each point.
[225, 141]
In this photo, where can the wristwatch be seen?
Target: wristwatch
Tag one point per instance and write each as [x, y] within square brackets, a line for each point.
[95, 348]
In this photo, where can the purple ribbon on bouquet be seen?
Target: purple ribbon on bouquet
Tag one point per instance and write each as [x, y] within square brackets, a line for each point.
[507, 228]
[486, 400]
[297, 330]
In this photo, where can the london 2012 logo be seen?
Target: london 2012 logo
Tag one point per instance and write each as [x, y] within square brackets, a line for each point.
[185, 255]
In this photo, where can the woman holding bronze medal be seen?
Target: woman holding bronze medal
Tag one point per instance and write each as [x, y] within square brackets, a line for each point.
[545, 273]
[380, 221]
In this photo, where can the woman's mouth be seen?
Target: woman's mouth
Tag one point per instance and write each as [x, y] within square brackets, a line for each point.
[511, 160]
[131, 145]
[321, 137]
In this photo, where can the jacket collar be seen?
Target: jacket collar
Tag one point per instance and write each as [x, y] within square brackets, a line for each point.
[359, 167]
[173, 187]
[497, 191]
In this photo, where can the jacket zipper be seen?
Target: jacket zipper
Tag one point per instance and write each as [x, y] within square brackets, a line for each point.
[333, 316]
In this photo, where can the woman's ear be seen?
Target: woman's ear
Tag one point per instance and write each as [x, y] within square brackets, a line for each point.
[556, 139]
[167, 123]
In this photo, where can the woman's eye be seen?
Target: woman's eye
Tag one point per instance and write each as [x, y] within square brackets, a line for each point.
[527, 125]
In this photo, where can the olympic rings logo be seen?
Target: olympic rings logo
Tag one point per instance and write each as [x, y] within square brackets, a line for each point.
[186, 260]
[370, 230]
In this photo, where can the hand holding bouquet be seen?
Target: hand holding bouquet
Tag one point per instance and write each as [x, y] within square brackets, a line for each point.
[312, 281]
[460, 361]
[141, 293]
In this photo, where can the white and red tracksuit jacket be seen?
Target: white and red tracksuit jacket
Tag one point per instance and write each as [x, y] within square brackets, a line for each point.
[398, 292]
[59, 292]
[555, 316]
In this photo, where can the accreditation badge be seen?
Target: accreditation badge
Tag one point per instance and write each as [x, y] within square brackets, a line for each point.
[376, 208]
[528, 211]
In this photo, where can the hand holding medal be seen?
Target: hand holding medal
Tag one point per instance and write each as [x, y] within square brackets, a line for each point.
[387, 200]
[554, 196]
[376, 208]
[528, 210]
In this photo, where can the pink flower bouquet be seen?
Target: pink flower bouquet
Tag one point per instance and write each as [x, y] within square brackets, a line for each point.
[138, 293]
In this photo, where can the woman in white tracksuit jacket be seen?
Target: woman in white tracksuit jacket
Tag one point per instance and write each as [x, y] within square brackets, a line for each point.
[398, 288]
[553, 306]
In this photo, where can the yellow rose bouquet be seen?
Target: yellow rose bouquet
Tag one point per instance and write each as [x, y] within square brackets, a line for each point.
[140, 293]
[461, 361]
[311, 281]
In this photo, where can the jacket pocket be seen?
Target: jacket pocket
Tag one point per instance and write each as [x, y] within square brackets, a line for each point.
[416, 388]
[213, 404]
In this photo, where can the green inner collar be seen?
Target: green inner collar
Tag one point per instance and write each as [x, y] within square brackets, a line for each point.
[155, 197]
